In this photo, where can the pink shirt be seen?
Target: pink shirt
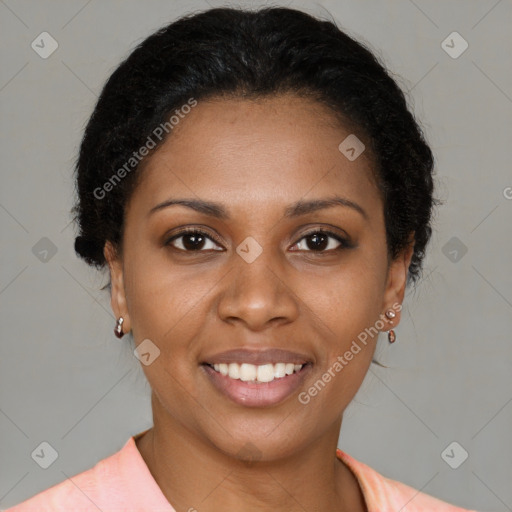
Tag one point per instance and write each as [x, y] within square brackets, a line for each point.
[122, 482]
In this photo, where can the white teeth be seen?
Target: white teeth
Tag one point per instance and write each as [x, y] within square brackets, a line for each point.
[234, 371]
[262, 373]
[266, 373]
[279, 370]
[247, 372]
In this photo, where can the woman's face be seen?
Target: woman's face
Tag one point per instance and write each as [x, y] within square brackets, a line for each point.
[259, 277]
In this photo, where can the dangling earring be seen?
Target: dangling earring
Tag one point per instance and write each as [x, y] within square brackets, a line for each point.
[118, 329]
[390, 314]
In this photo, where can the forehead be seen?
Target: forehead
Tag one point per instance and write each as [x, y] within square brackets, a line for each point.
[275, 149]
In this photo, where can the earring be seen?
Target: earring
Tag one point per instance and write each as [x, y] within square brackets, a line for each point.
[118, 329]
[390, 314]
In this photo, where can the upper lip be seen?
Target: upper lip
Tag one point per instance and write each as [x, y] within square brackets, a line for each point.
[257, 357]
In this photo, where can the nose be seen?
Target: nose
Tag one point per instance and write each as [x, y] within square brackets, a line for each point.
[258, 294]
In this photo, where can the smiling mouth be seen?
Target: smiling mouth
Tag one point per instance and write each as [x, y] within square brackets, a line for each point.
[264, 385]
[264, 373]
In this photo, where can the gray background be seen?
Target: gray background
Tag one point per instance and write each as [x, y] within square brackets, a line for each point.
[67, 380]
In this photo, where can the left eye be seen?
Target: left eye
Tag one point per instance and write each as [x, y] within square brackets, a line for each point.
[195, 241]
[320, 241]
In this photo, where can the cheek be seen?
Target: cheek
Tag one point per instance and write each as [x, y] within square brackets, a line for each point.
[345, 308]
[169, 306]
[347, 300]
[345, 346]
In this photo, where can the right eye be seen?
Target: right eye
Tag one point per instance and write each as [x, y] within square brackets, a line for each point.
[193, 240]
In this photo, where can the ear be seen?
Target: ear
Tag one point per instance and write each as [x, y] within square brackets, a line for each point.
[397, 280]
[117, 293]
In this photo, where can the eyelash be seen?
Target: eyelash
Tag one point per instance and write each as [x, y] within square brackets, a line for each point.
[344, 243]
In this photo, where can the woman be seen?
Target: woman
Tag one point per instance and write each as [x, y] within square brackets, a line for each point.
[262, 197]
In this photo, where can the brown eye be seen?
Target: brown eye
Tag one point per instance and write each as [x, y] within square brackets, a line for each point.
[322, 241]
[192, 240]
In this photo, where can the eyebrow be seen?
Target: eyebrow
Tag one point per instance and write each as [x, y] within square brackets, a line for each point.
[296, 209]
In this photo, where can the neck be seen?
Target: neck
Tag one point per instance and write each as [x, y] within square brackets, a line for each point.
[194, 474]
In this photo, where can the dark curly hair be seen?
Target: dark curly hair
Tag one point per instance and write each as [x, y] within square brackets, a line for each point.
[226, 52]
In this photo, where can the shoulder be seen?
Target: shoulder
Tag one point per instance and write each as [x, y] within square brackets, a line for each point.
[382, 494]
[88, 491]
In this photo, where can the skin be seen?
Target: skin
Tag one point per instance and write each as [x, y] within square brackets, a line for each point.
[256, 158]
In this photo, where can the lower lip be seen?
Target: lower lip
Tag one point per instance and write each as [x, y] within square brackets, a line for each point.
[257, 394]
